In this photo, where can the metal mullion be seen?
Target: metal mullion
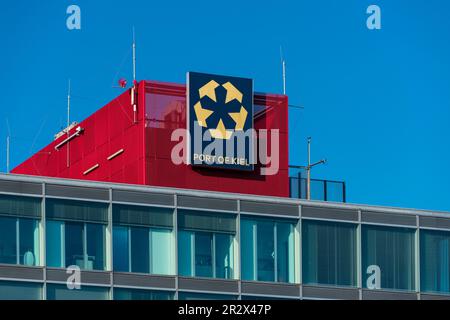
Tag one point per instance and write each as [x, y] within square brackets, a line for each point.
[275, 252]
[85, 253]
[255, 251]
[213, 255]
[17, 242]
[129, 249]
[150, 267]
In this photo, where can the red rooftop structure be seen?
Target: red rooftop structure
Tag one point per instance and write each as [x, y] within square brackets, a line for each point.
[123, 144]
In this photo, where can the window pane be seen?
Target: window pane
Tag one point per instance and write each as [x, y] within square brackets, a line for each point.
[74, 244]
[135, 294]
[329, 253]
[285, 253]
[392, 250]
[203, 254]
[248, 263]
[162, 252]
[20, 291]
[204, 296]
[8, 242]
[266, 251]
[53, 243]
[95, 247]
[61, 292]
[224, 256]
[29, 242]
[120, 249]
[185, 252]
[434, 261]
[140, 251]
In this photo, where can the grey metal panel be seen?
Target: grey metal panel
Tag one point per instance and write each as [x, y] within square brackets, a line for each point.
[329, 213]
[76, 192]
[388, 218]
[143, 197]
[434, 297]
[434, 222]
[206, 203]
[274, 289]
[330, 293]
[144, 281]
[91, 277]
[21, 272]
[20, 187]
[387, 295]
[217, 285]
[269, 208]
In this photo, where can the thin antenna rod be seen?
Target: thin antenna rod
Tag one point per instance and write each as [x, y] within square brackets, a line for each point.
[8, 138]
[283, 65]
[134, 56]
[68, 124]
[7, 154]
[68, 107]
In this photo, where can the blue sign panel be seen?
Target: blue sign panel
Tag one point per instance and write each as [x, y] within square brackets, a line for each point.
[220, 121]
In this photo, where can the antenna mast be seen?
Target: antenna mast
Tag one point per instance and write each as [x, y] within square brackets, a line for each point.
[134, 56]
[8, 137]
[283, 66]
[7, 154]
[68, 124]
[68, 108]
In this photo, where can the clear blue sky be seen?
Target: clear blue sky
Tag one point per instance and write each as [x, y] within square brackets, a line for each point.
[377, 103]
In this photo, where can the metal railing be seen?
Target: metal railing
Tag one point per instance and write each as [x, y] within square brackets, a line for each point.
[322, 190]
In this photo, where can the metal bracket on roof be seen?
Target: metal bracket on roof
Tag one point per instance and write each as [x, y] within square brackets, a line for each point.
[77, 133]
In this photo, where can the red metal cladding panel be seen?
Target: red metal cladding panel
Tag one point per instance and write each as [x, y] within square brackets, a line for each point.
[107, 131]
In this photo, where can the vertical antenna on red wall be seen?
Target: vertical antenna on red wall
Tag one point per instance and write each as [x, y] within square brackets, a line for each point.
[134, 56]
[68, 124]
[134, 88]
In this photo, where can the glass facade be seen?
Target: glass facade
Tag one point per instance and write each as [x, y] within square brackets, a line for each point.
[435, 261]
[143, 240]
[139, 294]
[267, 250]
[329, 253]
[206, 245]
[10, 290]
[392, 250]
[61, 292]
[19, 241]
[76, 243]
[145, 246]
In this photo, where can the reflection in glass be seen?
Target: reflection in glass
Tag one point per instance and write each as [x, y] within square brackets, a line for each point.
[95, 247]
[29, 242]
[120, 249]
[54, 231]
[266, 251]
[203, 254]
[392, 250]
[435, 261]
[8, 242]
[74, 244]
[329, 253]
[140, 259]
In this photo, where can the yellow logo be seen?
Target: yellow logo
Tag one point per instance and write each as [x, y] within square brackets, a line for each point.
[202, 114]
